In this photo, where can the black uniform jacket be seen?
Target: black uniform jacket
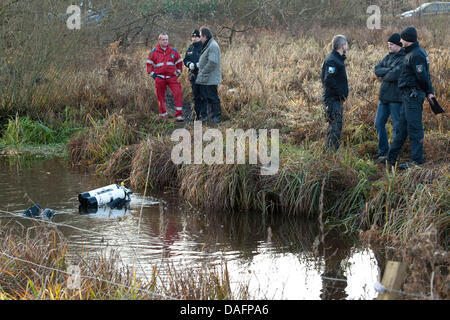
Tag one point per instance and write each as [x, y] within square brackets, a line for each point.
[389, 71]
[334, 77]
[192, 56]
[416, 70]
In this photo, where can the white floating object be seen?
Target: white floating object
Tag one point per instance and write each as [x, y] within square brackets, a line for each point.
[107, 195]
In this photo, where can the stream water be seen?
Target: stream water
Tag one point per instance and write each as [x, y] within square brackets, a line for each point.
[279, 258]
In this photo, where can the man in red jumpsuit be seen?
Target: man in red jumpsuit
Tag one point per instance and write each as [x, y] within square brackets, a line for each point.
[165, 64]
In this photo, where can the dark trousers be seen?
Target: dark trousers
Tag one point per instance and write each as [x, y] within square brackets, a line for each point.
[333, 114]
[385, 110]
[197, 98]
[410, 126]
[209, 94]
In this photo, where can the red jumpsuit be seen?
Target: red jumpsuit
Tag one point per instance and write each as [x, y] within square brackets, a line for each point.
[165, 65]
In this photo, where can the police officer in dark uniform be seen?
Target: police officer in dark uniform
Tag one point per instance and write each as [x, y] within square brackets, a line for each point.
[415, 84]
[191, 62]
[335, 89]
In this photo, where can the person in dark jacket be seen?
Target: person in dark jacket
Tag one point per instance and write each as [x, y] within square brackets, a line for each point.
[415, 83]
[390, 95]
[191, 62]
[335, 89]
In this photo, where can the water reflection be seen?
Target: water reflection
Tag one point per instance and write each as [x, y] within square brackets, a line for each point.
[335, 254]
[105, 212]
[279, 257]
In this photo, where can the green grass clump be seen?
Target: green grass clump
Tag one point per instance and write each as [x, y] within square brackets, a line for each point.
[23, 131]
[26, 131]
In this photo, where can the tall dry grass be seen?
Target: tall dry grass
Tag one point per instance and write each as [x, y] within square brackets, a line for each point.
[34, 266]
[279, 84]
[102, 140]
[409, 204]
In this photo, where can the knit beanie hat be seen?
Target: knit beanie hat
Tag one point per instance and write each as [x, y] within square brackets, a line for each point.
[409, 34]
[395, 39]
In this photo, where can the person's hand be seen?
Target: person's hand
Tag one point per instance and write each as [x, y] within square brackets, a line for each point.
[328, 113]
[153, 75]
[177, 73]
[192, 66]
[430, 98]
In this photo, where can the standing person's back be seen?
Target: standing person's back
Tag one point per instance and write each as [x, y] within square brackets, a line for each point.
[335, 89]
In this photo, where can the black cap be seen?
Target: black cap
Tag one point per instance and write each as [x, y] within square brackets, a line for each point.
[409, 34]
[195, 33]
[395, 39]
